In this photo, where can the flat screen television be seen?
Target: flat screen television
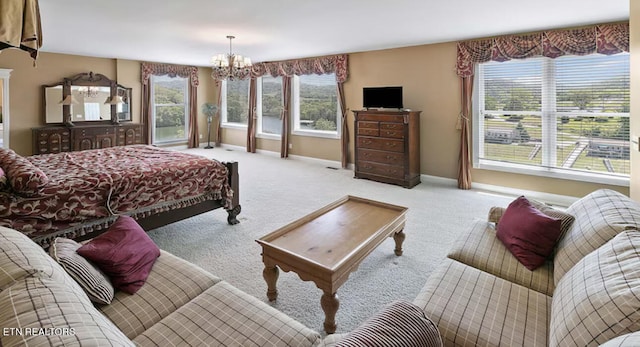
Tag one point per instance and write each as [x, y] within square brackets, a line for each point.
[382, 97]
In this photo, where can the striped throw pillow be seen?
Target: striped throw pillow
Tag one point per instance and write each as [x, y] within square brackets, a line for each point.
[89, 277]
[399, 324]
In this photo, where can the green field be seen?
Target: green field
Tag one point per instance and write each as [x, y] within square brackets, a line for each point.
[172, 133]
[569, 132]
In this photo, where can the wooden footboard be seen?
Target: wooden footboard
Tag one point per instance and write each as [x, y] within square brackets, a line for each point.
[168, 217]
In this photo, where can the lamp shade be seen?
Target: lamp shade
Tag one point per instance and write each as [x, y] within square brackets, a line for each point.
[68, 100]
[114, 100]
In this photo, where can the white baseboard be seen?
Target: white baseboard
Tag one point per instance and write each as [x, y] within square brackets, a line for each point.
[552, 199]
[323, 162]
[549, 198]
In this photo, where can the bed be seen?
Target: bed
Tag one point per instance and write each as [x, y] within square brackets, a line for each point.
[79, 194]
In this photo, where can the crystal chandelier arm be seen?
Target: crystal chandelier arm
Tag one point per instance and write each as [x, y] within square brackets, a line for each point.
[234, 66]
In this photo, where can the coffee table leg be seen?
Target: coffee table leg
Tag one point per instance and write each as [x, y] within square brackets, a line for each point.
[399, 239]
[330, 304]
[270, 274]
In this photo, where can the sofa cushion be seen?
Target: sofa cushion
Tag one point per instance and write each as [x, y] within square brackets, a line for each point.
[528, 234]
[225, 316]
[172, 283]
[599, 298]
[599, 216]
[40, 311]
[479, 247]
[627, 340]
[20, 257]
[474, 308]
[124, 252]
[90, 278]
[400, 324]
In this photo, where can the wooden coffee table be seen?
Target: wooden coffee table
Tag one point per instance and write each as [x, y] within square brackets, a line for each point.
[328, 244]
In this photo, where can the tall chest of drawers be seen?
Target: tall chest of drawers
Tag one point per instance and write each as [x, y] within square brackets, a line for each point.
[387, 146]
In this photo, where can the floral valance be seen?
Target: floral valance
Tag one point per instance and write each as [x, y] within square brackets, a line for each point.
[157, 69]
[605, 39]
[321, 65]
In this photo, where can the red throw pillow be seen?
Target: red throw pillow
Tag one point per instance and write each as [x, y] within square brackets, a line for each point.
[124, 252]
[529, 234]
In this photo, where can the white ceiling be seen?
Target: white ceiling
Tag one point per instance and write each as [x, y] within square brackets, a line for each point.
[191, 31]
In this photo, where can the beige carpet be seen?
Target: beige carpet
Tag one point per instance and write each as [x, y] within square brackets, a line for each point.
[274, 192]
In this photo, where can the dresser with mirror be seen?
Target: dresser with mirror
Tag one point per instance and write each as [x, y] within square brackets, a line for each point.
[85, 111]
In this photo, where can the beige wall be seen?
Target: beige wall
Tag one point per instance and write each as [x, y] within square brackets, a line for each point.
[26, 98]
[426, 73]
[430, 84]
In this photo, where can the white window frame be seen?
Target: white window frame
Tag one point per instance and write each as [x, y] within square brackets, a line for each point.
[549, 135]
[296, 130]
[186, 112]
[223, 110]
[5, 75]
[259, 132]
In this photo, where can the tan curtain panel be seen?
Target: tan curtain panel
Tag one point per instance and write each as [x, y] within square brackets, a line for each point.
[193, 140]
[251, 119]
[190, 72]
[604, 39]
[344, 140]
[219, 118]
[286, 116]
[464, 158]
[20, 26]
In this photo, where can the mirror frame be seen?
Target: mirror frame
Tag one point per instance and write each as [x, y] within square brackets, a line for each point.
[126, 94]
[86, 80]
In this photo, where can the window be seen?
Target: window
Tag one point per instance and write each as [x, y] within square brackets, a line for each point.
[92, 111]
[5, 75]
[235, 102]
[170, 102]
[316, 107]
[269, 104]
[566, 117]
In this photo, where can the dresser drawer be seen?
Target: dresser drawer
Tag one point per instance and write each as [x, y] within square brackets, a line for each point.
[391, 171]
[368, 128]
[390, 158]
[393, 118]
[395, 130]
[383, 144]
[51, 140]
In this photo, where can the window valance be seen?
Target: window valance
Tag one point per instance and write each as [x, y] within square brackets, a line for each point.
[157, 69]
[321, 65]
[604, 38]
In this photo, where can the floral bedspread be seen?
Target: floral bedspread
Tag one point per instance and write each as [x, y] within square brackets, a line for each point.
[92, 185]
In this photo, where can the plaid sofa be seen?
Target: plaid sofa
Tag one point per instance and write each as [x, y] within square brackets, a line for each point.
[180, 305]
[588, 294]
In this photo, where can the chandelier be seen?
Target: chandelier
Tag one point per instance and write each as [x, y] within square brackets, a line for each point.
[88, 92]
[229, 65]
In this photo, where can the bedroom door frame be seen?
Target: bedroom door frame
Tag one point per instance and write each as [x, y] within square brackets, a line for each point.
[5, 75]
